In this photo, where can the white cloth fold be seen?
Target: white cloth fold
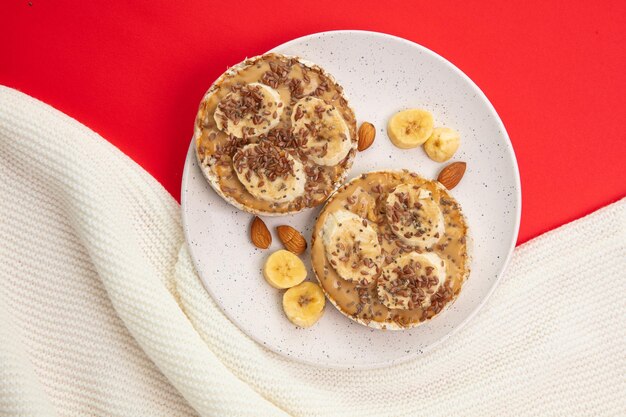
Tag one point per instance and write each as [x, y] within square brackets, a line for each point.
[102, 313]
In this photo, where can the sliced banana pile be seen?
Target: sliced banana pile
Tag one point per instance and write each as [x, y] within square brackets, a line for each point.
[269, 173]
[321, 130]
[410, 281]
[414, 216]
[249, 110]
[414, 127]
[352, 247]
[303, 302]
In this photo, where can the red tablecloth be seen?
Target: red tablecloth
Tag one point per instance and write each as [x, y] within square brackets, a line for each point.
[135, 72]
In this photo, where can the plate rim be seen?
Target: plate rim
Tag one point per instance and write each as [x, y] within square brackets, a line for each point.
[518, 212]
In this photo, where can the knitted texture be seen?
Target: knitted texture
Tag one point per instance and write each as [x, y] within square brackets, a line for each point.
[102, 313]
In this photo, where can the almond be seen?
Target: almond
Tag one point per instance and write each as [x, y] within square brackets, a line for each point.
[367, 133]
[259, 234]
[292, 239]
[452, 174]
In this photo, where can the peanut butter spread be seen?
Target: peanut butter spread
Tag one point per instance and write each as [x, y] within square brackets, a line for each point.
[275, 135]
[390, 249]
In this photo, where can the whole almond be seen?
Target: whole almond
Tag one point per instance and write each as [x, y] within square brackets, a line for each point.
[292, 239]
[452, 174]
[259, 234]
[367, 133]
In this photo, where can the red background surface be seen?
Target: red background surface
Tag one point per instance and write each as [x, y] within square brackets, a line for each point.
[135, 72]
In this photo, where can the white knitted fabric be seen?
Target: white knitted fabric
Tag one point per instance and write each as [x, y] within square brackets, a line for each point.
[102, 314]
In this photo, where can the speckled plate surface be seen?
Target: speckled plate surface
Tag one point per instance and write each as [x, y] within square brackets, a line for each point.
[381, 74]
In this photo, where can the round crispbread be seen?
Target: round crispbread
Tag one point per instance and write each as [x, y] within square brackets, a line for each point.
[385, 325]
[210, 174]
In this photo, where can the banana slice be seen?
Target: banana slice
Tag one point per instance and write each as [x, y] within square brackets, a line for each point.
[410, 128]
[283, 269]
[442, 144]
[410, 280]
[269, 173]
[249, 110]
[321, 130]
[304, 304]
[352, 246]
[364, 204]
[414, 216]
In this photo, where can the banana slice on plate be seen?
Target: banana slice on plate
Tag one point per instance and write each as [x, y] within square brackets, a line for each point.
[410, 128]
[321, 131]
[442, 144]
[249, 110]
[283, 269]
[410, 281]
[304, 304]
[414, 216]
[352, 247]
[269, 173]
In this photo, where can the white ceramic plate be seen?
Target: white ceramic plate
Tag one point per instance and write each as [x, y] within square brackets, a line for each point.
[381, 74]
